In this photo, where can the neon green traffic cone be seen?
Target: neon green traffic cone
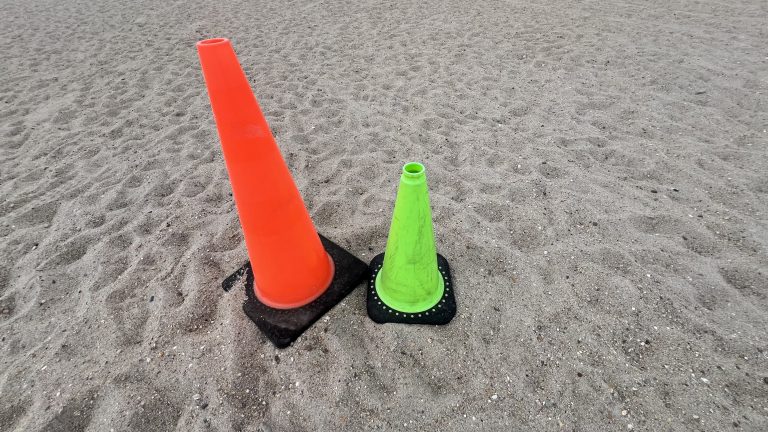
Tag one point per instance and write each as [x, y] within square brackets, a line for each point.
[411, 282]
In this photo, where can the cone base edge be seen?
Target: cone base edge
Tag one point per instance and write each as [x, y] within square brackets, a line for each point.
[440, 314]
[283, 326]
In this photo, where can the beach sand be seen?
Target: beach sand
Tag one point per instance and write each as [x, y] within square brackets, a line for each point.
[599, 182]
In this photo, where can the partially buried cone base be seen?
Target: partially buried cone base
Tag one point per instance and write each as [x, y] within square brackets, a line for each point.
[441, 313]
[283, 326]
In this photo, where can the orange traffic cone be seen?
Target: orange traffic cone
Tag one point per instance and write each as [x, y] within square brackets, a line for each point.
[291, 268]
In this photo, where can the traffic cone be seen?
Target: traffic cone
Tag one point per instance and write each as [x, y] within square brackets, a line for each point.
[411, 283]
[295, 275]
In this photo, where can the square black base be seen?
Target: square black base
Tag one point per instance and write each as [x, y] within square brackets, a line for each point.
[283, 326]
[440, 314]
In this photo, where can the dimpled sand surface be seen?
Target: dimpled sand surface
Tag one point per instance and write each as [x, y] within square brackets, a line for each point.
[599, 182]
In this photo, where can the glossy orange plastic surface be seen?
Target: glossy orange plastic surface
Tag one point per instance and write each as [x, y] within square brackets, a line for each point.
[290, 266]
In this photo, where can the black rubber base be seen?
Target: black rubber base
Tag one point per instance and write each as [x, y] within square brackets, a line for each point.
[283, 326]
[440, 314]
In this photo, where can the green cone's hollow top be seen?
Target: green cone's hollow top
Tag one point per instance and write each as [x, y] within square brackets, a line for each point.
[409, 280]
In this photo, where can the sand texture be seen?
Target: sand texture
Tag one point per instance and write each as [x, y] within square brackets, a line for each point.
[599, 182]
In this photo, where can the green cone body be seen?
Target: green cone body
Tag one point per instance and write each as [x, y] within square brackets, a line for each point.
[409, 280]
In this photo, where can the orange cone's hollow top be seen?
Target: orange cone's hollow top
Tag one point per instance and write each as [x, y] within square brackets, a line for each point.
[290, 265]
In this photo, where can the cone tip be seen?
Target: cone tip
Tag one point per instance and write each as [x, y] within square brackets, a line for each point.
[413, 169]
[213, 41]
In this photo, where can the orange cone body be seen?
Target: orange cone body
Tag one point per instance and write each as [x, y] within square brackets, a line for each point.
[290, 266]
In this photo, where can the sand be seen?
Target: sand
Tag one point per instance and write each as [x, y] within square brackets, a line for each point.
[599, 183]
